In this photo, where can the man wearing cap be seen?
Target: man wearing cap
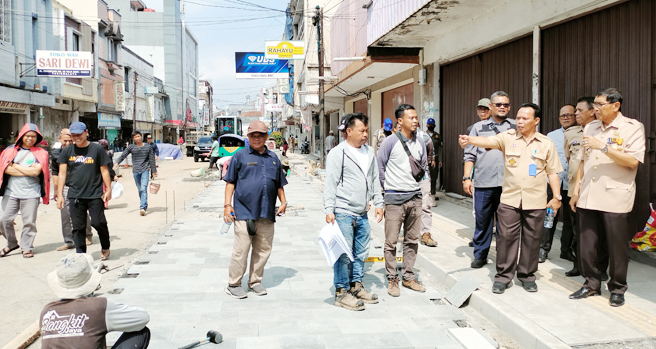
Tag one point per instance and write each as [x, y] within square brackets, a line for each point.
[330, 141]
[255, 178]
[83, 169]
[434, 163]
[81, 320]
[382, 133]
[153, 145]
[489, 174]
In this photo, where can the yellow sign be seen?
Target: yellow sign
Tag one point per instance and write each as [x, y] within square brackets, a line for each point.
[284, 50]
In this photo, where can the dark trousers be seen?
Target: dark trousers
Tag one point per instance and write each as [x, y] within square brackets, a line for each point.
[568, 225]
[595, 225]
[515, 223]
[486, 202]
[213, 160]
[133, 340]
[96, 208]
[434, 174]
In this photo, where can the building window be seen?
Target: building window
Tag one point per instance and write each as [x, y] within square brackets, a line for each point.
[193, 85]
[76, 42]
[5, 20]
[126, 78]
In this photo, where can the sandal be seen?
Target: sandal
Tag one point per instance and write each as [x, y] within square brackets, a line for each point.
[28, 254]
[5, 252]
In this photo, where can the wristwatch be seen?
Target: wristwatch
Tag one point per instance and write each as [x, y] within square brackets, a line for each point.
[559, 197]
[466, 178]
[604, 149]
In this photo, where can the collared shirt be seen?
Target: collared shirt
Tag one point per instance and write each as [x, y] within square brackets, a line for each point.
[489, 163]
[558, 137]
[607, 186]
[573, 141]
[257, 178]
[519, 187]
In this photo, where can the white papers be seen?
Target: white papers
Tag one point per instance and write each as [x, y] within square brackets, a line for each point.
[333, 244]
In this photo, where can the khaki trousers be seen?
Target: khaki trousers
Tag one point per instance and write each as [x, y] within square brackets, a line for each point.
[513, 224]
[426, 204]
[261, 242]
[408, 214]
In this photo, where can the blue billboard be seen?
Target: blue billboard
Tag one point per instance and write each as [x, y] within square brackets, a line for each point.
[253, 65]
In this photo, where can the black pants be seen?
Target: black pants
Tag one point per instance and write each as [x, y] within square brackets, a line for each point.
[96, 208]
[133, 340]
[597, 226]
[566, 239]
[213, 160]
[434, 173]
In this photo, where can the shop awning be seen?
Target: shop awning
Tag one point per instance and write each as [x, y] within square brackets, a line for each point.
[109, 121]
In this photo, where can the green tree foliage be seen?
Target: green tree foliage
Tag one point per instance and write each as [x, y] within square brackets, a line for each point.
[277, 136]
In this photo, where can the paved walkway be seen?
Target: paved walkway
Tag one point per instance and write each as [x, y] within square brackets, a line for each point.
[181, 283]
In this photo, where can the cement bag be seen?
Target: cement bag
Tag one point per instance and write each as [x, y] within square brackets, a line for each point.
[117, 190]
[646, 239]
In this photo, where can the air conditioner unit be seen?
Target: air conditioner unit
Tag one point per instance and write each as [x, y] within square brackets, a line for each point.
[283, 89]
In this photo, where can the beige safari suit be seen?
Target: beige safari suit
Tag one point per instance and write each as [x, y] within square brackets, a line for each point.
[523, 202]
[606, 196]
[573, 141]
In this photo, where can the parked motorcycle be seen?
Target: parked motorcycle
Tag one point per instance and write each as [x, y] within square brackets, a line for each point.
[305, 148]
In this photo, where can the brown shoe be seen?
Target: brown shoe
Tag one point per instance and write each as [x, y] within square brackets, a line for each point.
[393, 288]
[359, 292]
[89, 241]
[64, 247]
[346, 300]
[414, 285]
[104, 255]
[427, 240]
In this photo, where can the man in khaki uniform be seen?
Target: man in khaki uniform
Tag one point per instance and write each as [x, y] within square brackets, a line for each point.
[613, 147]
[529, 158]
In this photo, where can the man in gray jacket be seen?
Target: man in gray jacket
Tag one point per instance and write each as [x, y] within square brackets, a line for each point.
[351, 182]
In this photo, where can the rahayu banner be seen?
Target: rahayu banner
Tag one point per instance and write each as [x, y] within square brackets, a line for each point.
[253, 65]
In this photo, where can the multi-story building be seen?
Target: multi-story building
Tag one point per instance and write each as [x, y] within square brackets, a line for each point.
[205, 103]
[140, 90]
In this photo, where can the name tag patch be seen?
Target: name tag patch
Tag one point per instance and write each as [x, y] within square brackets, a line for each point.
[251, 164]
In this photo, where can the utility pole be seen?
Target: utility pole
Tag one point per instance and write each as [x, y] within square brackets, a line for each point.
[317, 20]
[134, 107]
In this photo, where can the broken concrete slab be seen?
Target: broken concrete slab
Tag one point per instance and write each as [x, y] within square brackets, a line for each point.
[470, 338]
[459, 293]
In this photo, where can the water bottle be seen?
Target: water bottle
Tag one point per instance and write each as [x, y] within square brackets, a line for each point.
[549, 219]
[226, 225]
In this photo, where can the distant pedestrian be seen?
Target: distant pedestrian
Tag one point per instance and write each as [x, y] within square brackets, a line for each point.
[382, 133]
[352, 181]
[291, 143]
[110, 167]
[254, 172]
[79, 319]
[12, 139]
[214, 152]
[180, 140]
[435, 162]
[285, 146]
[330, 141]
[426, 197]
[83, 168]
[153, 145]
[67, 227]
[402, 165]
[25, 179]
[143, 164]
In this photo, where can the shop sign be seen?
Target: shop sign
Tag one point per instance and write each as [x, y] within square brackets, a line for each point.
[63, 64]
[253, 65]
[150, 107]
[119, 95]
[284, 49]
[206, 116]
[276, 108]
[109, 121]
[13, 107]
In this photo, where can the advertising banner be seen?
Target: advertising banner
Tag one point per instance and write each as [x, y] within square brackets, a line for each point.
[206, 117]
[273, 107]
[284, 49]
[253, 65]
[109, 121]
[150, 107]
[119, 95]
[63, 63]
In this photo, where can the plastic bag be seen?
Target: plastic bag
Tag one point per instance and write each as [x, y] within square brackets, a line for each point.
[646, 239]
[117, 190]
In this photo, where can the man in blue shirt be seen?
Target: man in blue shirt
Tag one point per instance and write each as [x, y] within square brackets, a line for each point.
[255, 178]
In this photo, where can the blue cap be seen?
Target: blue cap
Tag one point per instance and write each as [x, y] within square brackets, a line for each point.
[430, 121]
[77, 127]
[387, 124]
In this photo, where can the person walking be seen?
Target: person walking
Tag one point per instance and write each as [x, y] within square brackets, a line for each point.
[153, 145]
[285, 146]
[435, 163]
[382, 133]
[352, 181]
[83, 169]
[25, 179]
[79, 319]
[330, 141]
[614, 147]
[214, 152]
[143, 159]
[489, 175]
[529, 159]
[291, 144]
[254, 172]
[401, 166]
[67, 228]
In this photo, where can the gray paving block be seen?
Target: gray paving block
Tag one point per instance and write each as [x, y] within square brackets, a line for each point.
[470, 338]
[459, 293]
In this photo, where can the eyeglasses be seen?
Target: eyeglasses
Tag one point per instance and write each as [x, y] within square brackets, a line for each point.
[567, 116]
[599, 105]
[505, 105]
[257, 135]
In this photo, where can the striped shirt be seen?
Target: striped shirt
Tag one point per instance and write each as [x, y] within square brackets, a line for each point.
[142, 158]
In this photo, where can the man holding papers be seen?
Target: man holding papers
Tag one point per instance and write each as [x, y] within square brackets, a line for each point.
[351, 182]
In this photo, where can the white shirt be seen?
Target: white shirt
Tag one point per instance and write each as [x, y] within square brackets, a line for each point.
[361, 156]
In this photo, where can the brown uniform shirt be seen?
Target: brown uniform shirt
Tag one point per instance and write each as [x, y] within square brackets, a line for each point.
[519, 187]
[607, 186]
[573, 141]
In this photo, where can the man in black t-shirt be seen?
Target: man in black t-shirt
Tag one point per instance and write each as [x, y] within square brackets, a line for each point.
[83, 169]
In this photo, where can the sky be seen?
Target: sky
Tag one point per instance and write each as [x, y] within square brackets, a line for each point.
[247, 29]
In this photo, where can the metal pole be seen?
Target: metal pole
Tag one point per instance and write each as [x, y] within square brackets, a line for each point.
[134, 107]
[322, 123]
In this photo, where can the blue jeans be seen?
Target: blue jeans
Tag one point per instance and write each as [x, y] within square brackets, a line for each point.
[486, 203]
[141, 180]
[357, 234]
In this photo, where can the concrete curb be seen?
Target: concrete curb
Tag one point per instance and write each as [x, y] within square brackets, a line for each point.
[25, 338]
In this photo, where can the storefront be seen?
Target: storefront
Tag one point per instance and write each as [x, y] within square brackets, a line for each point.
[110, 124]
[12, 117]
